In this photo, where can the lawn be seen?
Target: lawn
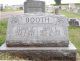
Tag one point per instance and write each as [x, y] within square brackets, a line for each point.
[10, 9]
[74, 33]
[3, 26]
[70, 14]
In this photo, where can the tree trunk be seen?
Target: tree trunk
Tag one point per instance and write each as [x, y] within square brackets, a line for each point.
[57, 8]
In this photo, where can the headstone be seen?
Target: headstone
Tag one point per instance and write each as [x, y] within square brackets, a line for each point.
[1, 7]
[37, 30]
[73, 22]
[39, 36]
[31, 6]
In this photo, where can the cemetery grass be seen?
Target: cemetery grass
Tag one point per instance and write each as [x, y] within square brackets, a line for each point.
[3, 26]
[70, 14]
[10, 9]
[74, 34]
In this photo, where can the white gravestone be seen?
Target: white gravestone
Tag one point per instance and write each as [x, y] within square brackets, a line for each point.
[37, 30]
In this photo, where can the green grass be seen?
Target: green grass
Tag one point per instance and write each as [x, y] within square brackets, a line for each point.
[74, 33]
[10, 9]
[70, 14]
[3, 26]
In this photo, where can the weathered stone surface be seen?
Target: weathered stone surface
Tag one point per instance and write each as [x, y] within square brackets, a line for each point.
[37, 30]
[43, 53]
[34, 6]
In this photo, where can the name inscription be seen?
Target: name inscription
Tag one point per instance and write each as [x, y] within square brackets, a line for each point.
[33, 20]
[39, 20]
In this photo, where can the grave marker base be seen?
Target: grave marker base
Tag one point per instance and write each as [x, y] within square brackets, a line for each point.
[43, 53]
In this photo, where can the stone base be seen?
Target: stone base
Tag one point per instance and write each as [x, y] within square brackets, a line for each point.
[43, 53]
[54, 44]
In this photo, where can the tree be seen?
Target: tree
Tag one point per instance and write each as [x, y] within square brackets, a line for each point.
[58, 2]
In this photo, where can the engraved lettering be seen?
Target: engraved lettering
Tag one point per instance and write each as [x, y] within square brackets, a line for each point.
[38, 20]
[27, 20]
[32, 20]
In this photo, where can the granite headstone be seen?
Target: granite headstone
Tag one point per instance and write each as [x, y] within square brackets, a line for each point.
[37, 30]
[38, 36]
[73, 22]
[34, 6]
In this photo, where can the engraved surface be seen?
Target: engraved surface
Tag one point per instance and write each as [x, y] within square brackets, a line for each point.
[35, 28]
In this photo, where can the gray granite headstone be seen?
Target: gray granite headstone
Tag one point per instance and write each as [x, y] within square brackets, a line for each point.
[44, 35]
[31, 6]
[1, 7]
[37, 30]
[73, 22]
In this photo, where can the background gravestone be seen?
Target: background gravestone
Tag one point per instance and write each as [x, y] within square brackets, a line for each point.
[34, 6]
[73, 22]
[1, 7]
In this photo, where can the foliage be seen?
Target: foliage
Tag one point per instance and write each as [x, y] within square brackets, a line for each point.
[58, 2]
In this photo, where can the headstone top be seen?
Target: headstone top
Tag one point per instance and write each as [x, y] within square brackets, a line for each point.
[31, 6]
